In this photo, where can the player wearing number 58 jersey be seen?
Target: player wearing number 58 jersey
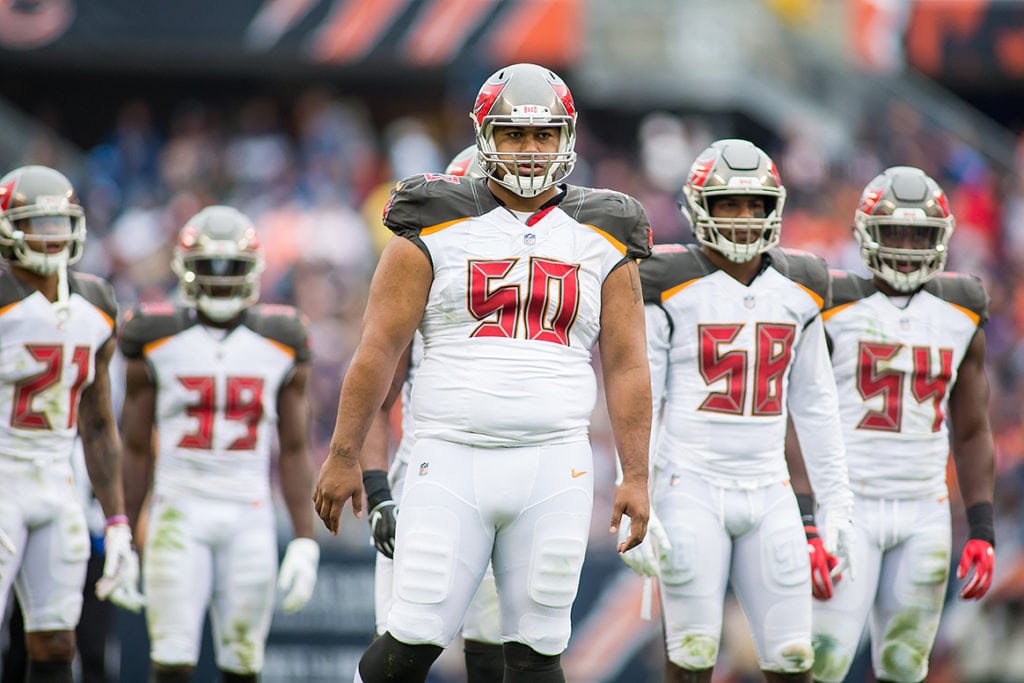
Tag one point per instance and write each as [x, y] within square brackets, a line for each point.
[217, 377]
[56, 340]
[512, 279]
[736, 345]
[908, 352]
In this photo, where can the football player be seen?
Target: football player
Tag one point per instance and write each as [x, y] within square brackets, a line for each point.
[511, 279]
[57, 330]
[215, 376]
[736, 344]
[481, 636]
[908, 352]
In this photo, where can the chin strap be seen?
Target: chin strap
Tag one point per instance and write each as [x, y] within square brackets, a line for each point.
[63, 303]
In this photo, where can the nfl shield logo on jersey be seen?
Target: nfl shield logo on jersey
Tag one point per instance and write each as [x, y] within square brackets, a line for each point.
[529, 239]
[748, 301]
[424, 467]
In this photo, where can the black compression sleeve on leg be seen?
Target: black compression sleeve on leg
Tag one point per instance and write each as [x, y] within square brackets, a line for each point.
[523, 664]
[388, 660]
[485, 662]
[232, 677]
[49, 672]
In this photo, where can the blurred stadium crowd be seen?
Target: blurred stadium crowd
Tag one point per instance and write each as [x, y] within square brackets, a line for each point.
[313, 173]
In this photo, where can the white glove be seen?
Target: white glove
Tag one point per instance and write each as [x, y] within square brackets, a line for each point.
[297, 577]
[645, 559]
[840, 539]
[120, 580]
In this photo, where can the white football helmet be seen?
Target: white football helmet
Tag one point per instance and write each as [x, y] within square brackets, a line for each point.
[525, 95]
[734, 167]
[903, 224]
[42, 225]
[218, 261]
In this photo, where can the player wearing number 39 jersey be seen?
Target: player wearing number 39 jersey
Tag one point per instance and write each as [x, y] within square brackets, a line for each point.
[217, 377]
[736, 346]
[908, 352]
[512, 279]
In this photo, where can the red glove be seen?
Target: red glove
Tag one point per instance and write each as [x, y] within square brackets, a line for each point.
[822, 565]
[979, 556]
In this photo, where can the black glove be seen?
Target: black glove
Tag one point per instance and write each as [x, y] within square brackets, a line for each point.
[383, 511]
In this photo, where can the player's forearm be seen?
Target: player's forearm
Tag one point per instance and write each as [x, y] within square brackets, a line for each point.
[629, 411]
[974, 458]
[103, 462]
[296, 481]
[362, 394]
[138, 470]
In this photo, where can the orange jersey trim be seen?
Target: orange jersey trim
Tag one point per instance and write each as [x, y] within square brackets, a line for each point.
[819, 302]
[441, 226]
[669, 293]
[153, 345]
[975, 318]
[614, 242]
[827, 315]
[283, 347]
[8, 307]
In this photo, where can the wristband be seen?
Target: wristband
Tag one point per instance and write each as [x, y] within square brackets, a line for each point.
[114, 520]
[805, 502]
[377, 489]
[979, 519]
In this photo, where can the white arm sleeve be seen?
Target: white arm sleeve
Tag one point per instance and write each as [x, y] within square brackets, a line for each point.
[658, 342]
[814, 407]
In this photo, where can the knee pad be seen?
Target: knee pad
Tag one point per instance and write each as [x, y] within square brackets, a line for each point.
[902, 661]
[791, 658]
[694, 652]
[831, 663]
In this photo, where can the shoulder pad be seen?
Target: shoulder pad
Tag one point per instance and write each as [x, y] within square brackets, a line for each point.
[960, 289]
[617, 215]
[150, 322]
[848, 287]
[95, 290]
[670, 266]
[282, 324]
[430, 199]
[803, 268]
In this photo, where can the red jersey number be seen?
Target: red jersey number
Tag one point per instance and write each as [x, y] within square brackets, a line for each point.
[774, 349]
[888, 383]
[23, 416]
[244, 403]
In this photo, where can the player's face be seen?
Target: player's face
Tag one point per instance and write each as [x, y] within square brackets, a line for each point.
[906, 237]
[739, 206]
[520, 142]
[41, 231]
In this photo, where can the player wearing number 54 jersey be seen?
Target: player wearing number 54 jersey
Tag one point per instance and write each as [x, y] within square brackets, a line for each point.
[908, 351]
[511, 279]
[736, 344]
[216, 377]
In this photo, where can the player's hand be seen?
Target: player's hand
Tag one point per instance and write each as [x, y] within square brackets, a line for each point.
[120, 580]
[631, 499]
[822, 564]
[981, 557]
[297, 576]
[840, 540]
[339, 481]
[383, 511]
[645, 559]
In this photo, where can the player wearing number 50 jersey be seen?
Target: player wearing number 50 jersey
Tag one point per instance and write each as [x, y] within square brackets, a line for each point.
[511, 279]
[736, 344]
[908, 352]
[56, 341]
[216, 377]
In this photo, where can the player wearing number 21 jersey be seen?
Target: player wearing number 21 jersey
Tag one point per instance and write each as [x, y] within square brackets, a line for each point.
[217, 377]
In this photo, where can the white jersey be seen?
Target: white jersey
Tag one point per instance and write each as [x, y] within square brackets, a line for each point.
[408, 427]
[217, 392]
[730, 361]
[514, 309]
[47, 358]
[896, 360]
